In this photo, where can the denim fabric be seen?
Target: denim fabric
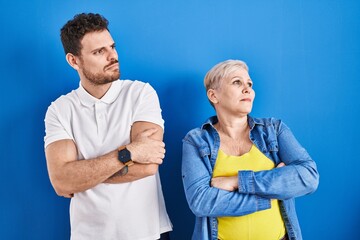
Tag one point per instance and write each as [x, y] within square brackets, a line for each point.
[274, 139]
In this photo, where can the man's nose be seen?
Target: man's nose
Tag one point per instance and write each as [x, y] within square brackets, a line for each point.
[112, 55]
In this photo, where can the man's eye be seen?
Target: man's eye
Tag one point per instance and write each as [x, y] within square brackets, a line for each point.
[99, 52]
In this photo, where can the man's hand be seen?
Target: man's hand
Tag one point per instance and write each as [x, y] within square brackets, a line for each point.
[145, 149]
[225, 183]
[145, 138]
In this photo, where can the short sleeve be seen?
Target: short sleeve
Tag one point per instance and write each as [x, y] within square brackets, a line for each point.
[54, 130]
[148, 107]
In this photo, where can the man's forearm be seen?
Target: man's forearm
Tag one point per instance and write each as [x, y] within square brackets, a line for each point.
[135, 172]
[80, 175]
[142, 132]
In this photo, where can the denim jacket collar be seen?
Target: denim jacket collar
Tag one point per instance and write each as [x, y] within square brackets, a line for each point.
[213, 120]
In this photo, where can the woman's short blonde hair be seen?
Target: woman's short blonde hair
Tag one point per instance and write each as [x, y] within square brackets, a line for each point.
[222, 70]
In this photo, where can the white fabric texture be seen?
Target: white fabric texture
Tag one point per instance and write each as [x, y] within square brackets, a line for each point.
[127, 211]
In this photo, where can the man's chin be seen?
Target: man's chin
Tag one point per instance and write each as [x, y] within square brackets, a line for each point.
[112, 78]
[101, 79]
[99, 82]
[115, 76]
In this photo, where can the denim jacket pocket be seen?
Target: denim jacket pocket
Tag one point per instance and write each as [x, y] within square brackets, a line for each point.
[273, 146]
[269, 147]
[206, 156]
[204, 151]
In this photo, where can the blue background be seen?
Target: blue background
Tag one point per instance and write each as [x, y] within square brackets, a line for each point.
[303, 58]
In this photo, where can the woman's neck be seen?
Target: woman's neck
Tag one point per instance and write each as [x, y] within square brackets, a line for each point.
[233, 127]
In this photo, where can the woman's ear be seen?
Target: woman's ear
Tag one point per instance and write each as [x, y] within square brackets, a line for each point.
[73, 61]
[211, 93]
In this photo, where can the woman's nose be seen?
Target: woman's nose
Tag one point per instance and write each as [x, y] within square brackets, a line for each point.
[246, 89]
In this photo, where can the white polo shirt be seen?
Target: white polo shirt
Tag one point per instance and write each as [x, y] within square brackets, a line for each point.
[126, 211]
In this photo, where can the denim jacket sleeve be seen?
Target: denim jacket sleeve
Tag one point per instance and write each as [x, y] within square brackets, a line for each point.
[206, 201]
[299, 176]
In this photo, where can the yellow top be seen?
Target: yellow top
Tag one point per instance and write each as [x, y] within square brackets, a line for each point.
[263, 225]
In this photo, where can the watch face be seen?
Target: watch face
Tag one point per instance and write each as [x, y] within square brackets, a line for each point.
[124, 155]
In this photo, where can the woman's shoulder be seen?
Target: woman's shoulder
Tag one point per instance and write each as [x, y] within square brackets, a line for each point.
[195, 133]
[200, 135]
[267, 122]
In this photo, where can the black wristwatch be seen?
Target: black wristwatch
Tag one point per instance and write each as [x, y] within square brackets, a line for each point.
[124, 156]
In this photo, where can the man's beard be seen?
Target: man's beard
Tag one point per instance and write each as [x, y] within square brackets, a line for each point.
[103, 77]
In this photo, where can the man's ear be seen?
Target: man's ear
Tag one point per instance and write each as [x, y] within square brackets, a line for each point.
[212, 96]
[73, 61]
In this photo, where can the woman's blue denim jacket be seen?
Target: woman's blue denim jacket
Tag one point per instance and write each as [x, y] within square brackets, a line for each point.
[256, 189]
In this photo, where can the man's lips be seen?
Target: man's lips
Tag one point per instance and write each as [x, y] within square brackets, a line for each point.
[115, 65]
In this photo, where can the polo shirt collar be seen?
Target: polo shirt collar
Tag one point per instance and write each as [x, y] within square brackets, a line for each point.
[109, 97]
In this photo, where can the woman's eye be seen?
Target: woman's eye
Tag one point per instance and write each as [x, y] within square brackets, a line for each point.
[237, 82]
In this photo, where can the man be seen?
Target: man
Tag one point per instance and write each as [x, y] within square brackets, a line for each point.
[103, 142]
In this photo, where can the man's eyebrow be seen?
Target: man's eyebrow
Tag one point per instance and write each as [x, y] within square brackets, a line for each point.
[97, 49]
[100, 48]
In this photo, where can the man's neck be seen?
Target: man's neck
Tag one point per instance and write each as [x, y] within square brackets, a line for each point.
[97, 91]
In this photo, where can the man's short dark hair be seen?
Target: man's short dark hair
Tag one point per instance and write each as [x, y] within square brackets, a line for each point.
[75, 29]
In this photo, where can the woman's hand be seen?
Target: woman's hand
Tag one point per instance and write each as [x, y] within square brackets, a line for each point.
[231, 183]
[280, 165]
[225, 183]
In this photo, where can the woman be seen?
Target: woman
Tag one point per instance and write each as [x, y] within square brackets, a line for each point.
[241, 174]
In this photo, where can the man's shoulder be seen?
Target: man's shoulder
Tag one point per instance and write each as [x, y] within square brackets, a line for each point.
[132, 84]
[135, 89]
[66, 98]
[128, 82]
[65, 102]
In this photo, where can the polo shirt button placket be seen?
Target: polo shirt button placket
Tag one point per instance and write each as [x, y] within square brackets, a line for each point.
[100, 119]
